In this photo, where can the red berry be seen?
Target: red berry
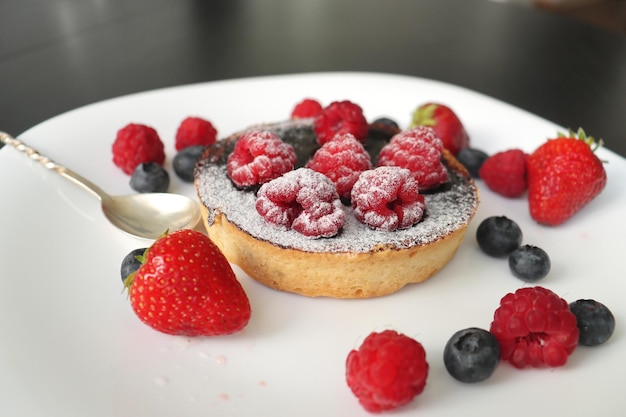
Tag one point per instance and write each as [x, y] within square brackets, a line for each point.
[137, 144]
[418, 150]
[342, 160]
[564, 175]
[446, 124]
[387, 198]
[535, 327]
[259, 157]
[387, 371]
[505, 172]
[303, 200]
[340, 117]
[187, 287]
[195, 131]
[306, 108]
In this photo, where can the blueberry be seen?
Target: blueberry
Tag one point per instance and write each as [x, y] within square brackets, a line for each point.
[529, 263]
[595, 322]
[185, 162]
[498, 236]
[150, 177]
[472, 159]
[130, 263]
[386, 121]
[471, 355]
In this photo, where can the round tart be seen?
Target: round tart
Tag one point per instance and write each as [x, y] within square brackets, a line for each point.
[359, 262]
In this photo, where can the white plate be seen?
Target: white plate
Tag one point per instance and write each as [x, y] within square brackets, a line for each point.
[71, 346]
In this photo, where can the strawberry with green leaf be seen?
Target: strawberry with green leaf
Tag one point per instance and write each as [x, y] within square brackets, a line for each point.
[564, 174]
[446, 124]
[185, 286]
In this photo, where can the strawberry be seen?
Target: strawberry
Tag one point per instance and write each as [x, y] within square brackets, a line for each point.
[185, 286]
[564, 174]
[505, 172]
[446, 124]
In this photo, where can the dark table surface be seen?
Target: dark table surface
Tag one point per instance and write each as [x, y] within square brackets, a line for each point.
[56, 55]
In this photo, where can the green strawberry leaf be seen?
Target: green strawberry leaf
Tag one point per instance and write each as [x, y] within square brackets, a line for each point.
[128, 281]
[581, 135]
[424, 116]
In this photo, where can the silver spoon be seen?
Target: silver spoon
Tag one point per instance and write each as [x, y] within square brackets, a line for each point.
[145, 215]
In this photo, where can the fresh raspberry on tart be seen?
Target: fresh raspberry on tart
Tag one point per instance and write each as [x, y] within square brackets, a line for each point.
[195, 131]
[259, 157]
[387, 198]
[303, 200]
[419, 150]
[340, 117]
[308, 107]
[341, 159]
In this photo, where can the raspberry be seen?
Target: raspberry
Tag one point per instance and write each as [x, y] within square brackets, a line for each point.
[342, 160]
[306, 108]
[505, 173]
[136, 144]
[387, 198]
[303, 200]
[340, 117]
[418, 150]
[195, 131]
[259, 157]
[535, 327]
[387, 371]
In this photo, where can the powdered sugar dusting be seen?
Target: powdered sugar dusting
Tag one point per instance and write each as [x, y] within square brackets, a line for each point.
[341, 159]
[303, 200]
[259, 157]
[387, 198]
[447, 209]
[419, 150]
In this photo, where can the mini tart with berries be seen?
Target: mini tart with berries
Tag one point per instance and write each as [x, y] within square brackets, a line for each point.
[357, 262]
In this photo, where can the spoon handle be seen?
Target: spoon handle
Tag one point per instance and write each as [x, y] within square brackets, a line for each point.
[53, 166]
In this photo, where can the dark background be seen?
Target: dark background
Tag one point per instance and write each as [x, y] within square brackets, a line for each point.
[57, 55]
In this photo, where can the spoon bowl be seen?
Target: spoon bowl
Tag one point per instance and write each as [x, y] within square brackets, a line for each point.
[146, 215]
[149, 215]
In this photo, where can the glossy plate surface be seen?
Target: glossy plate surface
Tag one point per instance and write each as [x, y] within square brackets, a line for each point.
[71, 345]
